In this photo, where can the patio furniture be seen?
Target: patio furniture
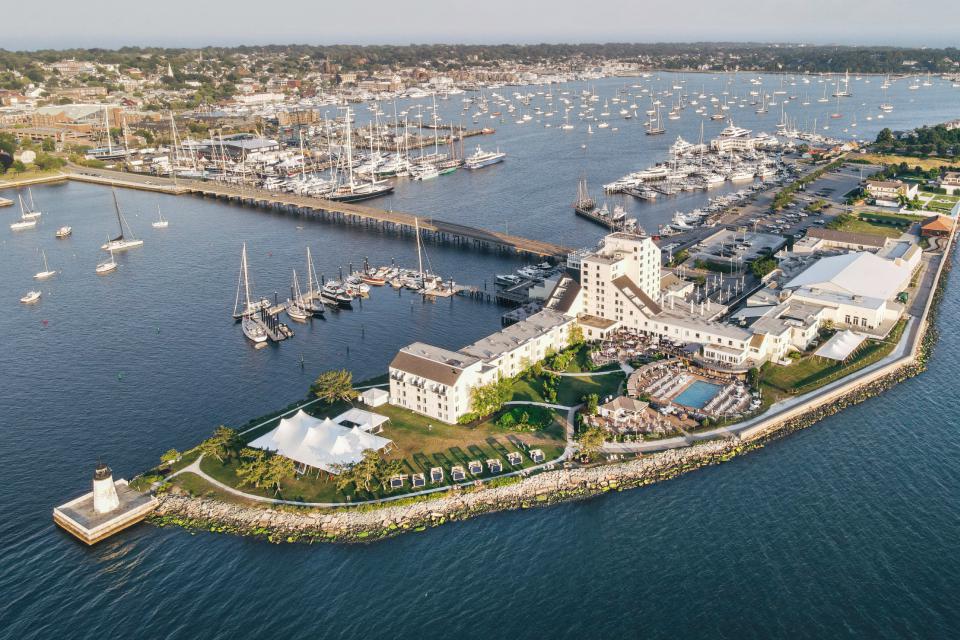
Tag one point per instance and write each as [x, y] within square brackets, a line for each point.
[494, 466]
[514, 458]
[458, 474]
[418, 480]
[436, 475]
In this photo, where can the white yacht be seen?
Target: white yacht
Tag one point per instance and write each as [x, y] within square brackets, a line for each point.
[121, 242]
[482, 158]
[64, 232]
[31, 297]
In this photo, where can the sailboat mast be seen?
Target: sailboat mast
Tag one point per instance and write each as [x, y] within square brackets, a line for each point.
[416, 222]
[246, 277]
[349, 151]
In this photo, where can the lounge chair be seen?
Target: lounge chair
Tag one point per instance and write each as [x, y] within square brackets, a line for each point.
[436, 475]
[537, 455]
[458, 474]
[418, 480]
[514, 458]
[476, 467]
[494, 466]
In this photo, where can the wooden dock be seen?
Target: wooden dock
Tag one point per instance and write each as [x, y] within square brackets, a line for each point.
[360, 215]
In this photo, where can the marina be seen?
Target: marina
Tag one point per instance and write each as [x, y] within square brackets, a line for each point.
[165, 308]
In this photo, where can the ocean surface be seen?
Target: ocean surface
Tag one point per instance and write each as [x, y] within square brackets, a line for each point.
[845, 529]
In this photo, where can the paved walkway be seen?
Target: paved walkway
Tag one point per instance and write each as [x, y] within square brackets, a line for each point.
[583, 374]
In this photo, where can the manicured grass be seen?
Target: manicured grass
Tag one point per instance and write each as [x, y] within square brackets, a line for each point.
[571, 389]
[924, 163]
[856, 225]
[419, 443]
[811, 373]
[10, 176]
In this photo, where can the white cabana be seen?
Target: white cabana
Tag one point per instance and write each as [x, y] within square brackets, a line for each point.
[366, 420]
[321, 444]
[841, 345]
[375, 397]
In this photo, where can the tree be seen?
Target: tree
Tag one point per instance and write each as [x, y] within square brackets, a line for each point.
[591, 401]
[762, 266]
[489, 398]
[388, 470]
[753, 377]
[252, 469]
[18, 166]
[367, 469]
[223, 444]
[279, 470]
[591, 441]
[171, 456]
[336, 384]
[576, 336]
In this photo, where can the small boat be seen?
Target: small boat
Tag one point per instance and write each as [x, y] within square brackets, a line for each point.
[296, 308]
[334, 294]
[253, 329]
[160, 223]
[312, 301]
[46, 273]
[107, 266]
[373, 280]
[64, 232]
[31, 297]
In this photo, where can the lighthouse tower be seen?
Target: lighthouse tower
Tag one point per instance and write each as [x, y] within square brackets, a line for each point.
[105, 497]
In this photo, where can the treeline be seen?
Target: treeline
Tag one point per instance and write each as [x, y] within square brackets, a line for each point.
[937, 140]
[712, 56]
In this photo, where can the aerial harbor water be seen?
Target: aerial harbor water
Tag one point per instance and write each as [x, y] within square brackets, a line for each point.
[846, 528]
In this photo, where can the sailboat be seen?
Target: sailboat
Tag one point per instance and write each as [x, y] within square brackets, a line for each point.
[352, 192]
[47, 272]
[296, 307]
[25, 222]
[656, 128]
[252, 326]
[107, 266]
[31, 213]
[121, 242]
[160, 223]
[312, 300]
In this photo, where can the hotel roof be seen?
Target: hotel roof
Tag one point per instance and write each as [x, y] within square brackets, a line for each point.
[516, 335]
[433, 363]
[858, 273]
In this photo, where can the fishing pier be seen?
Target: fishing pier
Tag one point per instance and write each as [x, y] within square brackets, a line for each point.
[357, 215]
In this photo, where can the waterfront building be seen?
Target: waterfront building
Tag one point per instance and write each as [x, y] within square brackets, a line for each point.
[437, 382]
[886, 193]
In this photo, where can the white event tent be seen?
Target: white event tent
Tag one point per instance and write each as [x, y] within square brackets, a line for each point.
[321, 444]
[840, 345]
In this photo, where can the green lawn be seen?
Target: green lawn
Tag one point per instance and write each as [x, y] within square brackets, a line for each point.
[571, 389]
[811, 373]
[419, 443]
[856, 225]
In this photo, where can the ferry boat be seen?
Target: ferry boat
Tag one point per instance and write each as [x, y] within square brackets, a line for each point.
[483, 158]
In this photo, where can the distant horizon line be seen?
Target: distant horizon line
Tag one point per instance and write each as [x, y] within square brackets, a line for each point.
[763, 43]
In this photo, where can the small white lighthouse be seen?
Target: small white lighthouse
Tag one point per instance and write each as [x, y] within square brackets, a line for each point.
[105, 497]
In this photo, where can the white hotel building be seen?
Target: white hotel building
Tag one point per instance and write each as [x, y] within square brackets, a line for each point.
[620, 288]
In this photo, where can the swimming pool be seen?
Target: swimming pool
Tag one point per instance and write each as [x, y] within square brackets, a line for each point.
[697, 394]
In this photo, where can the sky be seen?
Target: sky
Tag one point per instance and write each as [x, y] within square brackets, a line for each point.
[63, 24]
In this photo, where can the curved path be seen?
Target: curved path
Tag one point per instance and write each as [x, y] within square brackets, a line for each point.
[194, 468]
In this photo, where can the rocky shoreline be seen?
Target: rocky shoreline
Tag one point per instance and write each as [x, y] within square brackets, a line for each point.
[359, 524]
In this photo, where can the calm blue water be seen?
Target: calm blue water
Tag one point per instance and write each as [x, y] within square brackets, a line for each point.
[846, 529]
[697, 394]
